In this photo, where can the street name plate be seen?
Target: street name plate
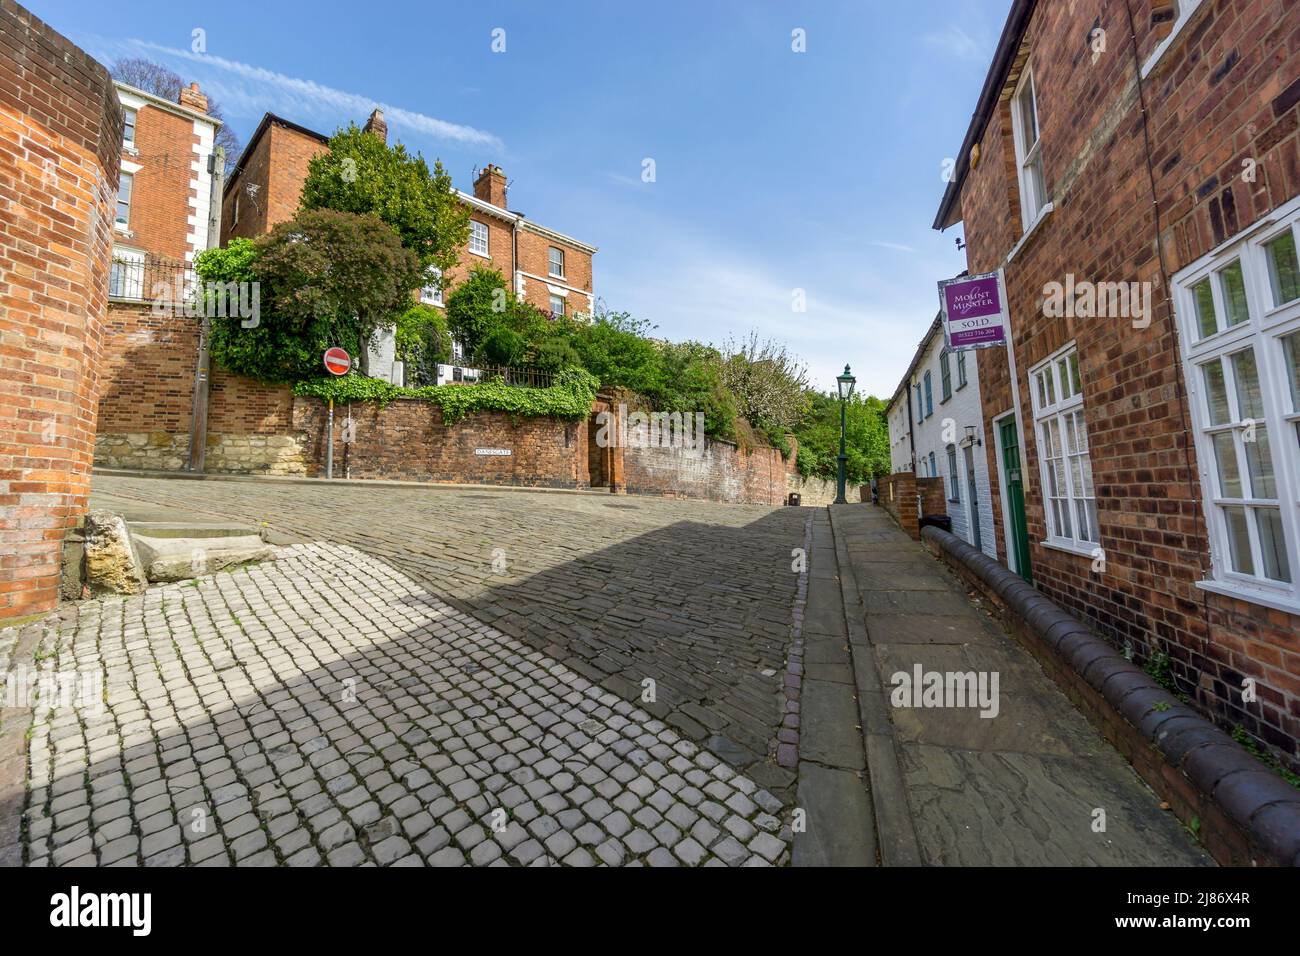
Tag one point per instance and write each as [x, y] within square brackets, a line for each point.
[492, 452]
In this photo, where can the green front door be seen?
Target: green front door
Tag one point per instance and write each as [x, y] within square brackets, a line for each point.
[1015, 496]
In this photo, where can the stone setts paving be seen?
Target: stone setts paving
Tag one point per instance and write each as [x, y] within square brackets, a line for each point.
[325, 709]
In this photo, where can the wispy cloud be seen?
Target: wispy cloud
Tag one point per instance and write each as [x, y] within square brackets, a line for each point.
[692, 288]
[896, 246]
[258, 89]
[955, 41]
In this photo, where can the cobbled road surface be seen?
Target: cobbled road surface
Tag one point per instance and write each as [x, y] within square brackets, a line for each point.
[324, 708]
[432, 676]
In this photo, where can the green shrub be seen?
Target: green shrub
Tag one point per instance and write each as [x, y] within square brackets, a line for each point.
[327, 279]
[422, 343]
[569, 398]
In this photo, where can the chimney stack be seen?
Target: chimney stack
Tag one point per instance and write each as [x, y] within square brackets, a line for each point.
[193, 99]
[377, 125]
[491, 186]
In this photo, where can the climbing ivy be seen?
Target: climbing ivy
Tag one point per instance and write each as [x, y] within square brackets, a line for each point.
[570, 397]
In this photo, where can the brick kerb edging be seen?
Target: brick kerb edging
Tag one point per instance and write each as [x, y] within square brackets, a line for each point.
[1248, 815]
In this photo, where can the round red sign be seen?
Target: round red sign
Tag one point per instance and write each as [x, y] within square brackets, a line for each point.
[337, 361]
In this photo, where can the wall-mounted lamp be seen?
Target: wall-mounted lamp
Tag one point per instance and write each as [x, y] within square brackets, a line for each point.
[971, 438]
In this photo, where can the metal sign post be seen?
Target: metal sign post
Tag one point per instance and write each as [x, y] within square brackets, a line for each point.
[337, 362]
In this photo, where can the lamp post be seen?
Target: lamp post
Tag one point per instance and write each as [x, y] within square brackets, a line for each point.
[845, 383]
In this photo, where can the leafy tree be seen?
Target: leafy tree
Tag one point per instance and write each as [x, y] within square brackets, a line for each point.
[164, 82]
[866, 438]
[690, 375]
[475, 306]
[360, 173]
[615, 348]
[327, 278]
[769, 384]
[422, 343]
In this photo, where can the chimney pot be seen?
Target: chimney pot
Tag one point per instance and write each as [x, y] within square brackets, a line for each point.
[375, 124]
[193, 99]
[490, 186]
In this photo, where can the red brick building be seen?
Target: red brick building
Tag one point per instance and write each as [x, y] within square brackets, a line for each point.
[168, 211]
[60, 136]
[1154, 145]
[546, 268]
[164, 214]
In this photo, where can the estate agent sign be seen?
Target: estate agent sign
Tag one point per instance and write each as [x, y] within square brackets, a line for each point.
[974, 310]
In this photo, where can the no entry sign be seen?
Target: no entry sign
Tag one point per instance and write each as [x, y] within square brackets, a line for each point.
[337, 361]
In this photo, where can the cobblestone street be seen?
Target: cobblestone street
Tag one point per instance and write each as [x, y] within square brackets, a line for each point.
[326, 708]
[693, 595]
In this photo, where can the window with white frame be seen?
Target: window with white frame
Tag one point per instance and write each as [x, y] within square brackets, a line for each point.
[945, 375]
[1069, 500]
[954, 486]
[1239, 316]
[1029, 155]
[555, 262]
[128, 127]
[126, 275]
[557, 304]
[123, 217]
[478, 237]
[431, 293]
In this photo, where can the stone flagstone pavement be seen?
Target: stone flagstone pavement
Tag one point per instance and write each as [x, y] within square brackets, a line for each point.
[326, 709]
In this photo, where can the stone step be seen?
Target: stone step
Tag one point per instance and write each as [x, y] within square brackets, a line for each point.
[179, 556]
[190, 529]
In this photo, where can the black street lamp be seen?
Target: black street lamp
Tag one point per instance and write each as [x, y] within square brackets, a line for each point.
[845, 383]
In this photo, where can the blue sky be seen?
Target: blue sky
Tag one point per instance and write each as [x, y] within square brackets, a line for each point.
[774, 170]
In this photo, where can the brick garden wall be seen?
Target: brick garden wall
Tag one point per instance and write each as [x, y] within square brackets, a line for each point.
[719, 472]
[255, 428]
[60, 129]
[406, 440]
[1229, 88]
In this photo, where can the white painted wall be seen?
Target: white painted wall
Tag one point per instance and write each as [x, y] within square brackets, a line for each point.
[201, 185]
[946, 424]
[900, 447]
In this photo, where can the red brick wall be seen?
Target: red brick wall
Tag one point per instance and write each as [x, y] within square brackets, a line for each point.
[277, 165]
[534, 252]
[161, 191]
[500, 252]
[244, 406]
[721, 472]
[407, 440]
[1218, 96]
[60, 129]
[898, 496]
[147, 371]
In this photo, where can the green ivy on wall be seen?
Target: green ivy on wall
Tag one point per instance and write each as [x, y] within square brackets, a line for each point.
[570, 397]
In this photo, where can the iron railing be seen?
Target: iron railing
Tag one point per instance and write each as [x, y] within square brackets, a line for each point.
[144, 278]
[522, 377]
